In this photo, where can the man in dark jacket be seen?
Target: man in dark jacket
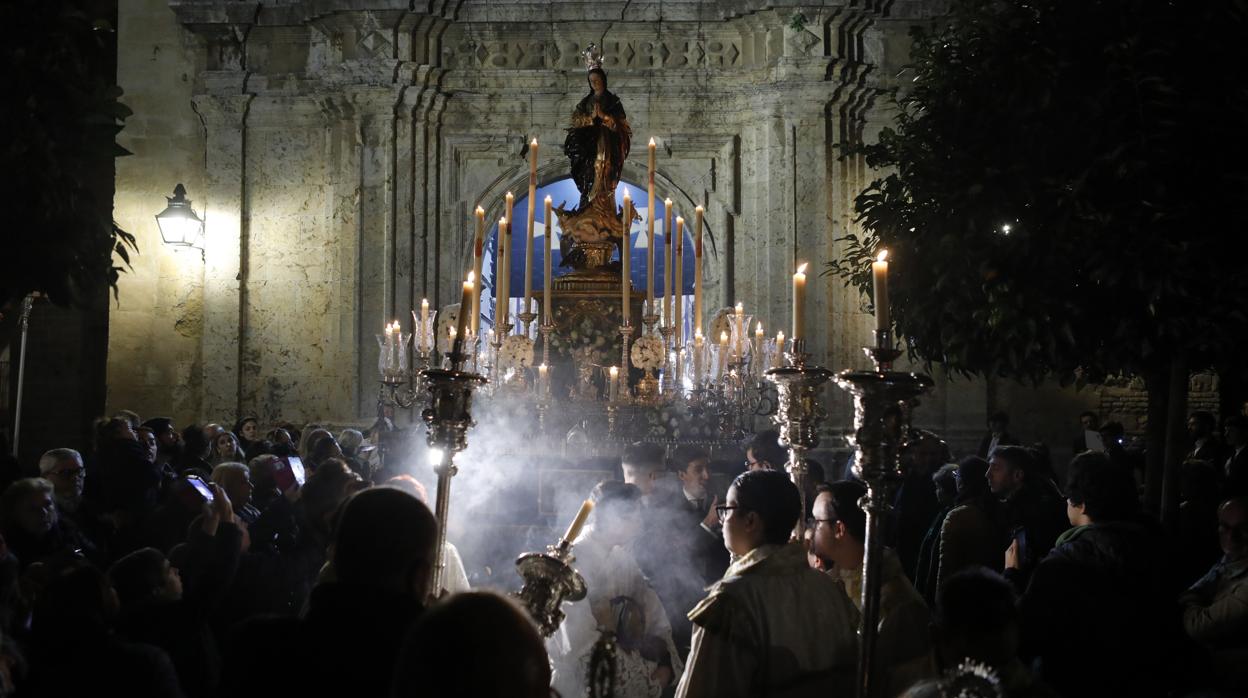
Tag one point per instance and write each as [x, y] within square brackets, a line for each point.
[696, 557]
[1098, 616]
[1032, 509]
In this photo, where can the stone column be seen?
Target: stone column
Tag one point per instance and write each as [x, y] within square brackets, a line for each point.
[225, 221]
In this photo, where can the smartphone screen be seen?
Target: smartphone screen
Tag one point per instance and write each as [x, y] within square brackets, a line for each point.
[283, 477]
[201, 487]
[296, 468]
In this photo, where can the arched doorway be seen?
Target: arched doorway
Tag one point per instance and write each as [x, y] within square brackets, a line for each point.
[563, 191]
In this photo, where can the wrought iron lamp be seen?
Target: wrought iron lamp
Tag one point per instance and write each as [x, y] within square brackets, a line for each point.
[179, 224]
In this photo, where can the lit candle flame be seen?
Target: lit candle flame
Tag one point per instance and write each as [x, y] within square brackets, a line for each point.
[802, 269]
[883, 256]
[480, 211]
[534, 141]
[651, 141]
[472, 276]
[548, 198]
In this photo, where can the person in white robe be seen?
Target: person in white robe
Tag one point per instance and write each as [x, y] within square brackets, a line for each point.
[620, 601]
[772, 626]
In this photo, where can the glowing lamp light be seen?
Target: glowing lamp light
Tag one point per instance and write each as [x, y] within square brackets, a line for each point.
[435, 456]
[178, 223]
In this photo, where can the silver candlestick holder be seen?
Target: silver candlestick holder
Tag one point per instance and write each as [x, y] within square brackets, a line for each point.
[876, 463]
[668, 385]
[626, 338]
[549, 580]
[447, 418]
[547, 329]
[799, 412]
[526, 320]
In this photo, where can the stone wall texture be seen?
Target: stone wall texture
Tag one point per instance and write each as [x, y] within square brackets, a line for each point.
[337, 148]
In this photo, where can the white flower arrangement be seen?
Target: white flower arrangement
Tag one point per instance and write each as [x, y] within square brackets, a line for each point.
[647, 352]
[516, 352]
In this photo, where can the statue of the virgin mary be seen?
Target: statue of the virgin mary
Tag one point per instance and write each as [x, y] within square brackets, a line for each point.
[597, 145]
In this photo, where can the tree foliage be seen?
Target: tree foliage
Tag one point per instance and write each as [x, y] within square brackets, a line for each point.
[1108, 135]
[58, 124]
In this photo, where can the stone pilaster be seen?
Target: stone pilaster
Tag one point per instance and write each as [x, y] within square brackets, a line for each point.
[225, 218]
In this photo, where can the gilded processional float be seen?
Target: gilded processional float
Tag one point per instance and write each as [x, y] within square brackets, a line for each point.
[620, 365]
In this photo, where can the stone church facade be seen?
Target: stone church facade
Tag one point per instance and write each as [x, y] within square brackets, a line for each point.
[337, 149]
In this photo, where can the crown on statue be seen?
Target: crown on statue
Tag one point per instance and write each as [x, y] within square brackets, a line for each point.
[593, 57]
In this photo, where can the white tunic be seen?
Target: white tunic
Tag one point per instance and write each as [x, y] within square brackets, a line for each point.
[610, 573]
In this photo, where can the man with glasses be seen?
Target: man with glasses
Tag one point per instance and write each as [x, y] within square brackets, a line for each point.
[772, 626]
[904, 653]
[63, 468]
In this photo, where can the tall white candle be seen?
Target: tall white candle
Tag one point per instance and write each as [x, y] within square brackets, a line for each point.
[547, 280]
[669, 224]
[799, 303]
[614, 391]
[678, 296]
[528, 237]
[424, 322]
[697, 266]
[650, 233]
[502, 277]
[879, 277]
[462, 326]
[626, 251]
[739, 347]
[478, 252]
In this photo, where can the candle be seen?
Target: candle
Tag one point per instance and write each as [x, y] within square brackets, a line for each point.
[799, 302]
[879, 275]
[739, 346]
[723, 351]
[626, 285]
[543, 378]
[759, 347]
[424, 319]
[528, 237]
[478, 251]
[462, 325]
[698, 341]
[777, 360]
[667, 268]
[679, 297]
[547, 281]
[510, 201]
[502, 275]
[575, 529]
[650, 234]
[697, 266]
[614, 390]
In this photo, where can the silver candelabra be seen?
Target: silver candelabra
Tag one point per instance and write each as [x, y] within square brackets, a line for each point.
[799, 414]
[876, 463]
[448, 418]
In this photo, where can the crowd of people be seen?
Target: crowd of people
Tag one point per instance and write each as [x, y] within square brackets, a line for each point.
[207, 561]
